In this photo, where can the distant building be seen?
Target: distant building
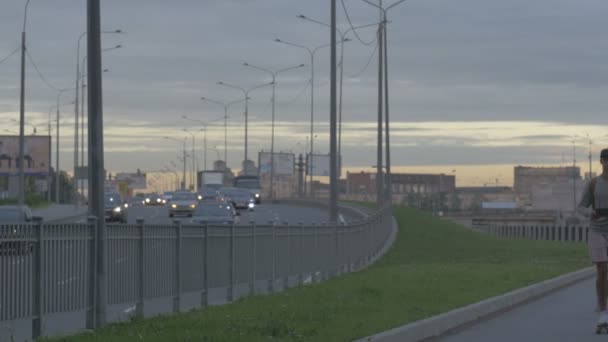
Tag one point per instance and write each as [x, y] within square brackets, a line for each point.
[473, 198]
[526, 177]
[404, 185]
[558, 196]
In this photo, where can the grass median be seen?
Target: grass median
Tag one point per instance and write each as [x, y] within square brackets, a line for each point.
[434, 266]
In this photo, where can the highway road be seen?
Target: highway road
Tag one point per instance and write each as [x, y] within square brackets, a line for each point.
[262, 214]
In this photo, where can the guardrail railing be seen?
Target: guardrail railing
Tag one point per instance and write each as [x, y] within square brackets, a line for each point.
[538, 232]
[48, 271]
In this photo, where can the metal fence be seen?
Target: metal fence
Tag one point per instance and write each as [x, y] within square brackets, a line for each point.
[538, 232]
[49, 280]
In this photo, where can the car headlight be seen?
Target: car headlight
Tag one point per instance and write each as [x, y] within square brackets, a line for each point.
[126, 205]
[173, 206]
[147, 200]
[164, 201]
[251, 205]
[200, 197]
[257, 195]
[192, 206]
[117, 209]
[158, 200]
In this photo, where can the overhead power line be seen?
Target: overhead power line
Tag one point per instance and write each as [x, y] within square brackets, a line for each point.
[371, 57]
[9, 55]
[40, 75]
[352, 27]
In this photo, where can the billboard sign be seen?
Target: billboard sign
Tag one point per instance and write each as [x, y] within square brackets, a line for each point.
[36, 155]
[284, 163]
[133, 180]
[320, 165]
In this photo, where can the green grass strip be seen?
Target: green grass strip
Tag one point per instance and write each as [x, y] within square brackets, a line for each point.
[435, 266]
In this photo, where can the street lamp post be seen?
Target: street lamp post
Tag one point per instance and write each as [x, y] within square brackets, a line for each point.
[311, 53]
[76, 100]
[226, 105]
[61, 91]
[204, 130]
[273, 74]
[246, 98]
[21, 196]
[82, 75]
[183, 185]
[343, 39]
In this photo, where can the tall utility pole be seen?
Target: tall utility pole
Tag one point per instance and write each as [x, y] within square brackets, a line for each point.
[383, 59]
[387, 148]
[379, 178]
[574, 174]
[333, 130]
[22, 114]
[96, 155]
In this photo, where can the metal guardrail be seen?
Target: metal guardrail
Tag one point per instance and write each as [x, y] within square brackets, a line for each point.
[538, 232]
[50, 269]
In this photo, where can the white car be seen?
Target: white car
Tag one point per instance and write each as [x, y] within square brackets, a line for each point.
[183, 203]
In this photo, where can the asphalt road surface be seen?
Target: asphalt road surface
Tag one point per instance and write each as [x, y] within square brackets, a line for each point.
[262, 214]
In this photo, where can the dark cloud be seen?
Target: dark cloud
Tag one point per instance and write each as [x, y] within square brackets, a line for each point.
[468, 60]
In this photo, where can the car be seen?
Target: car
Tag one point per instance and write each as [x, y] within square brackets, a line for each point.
[115, 209]
[209, 194]
[14, 214]
[154, 199]
[240, 198]
[214, 213]
[167, 195]
[251, 183]
[183, 203]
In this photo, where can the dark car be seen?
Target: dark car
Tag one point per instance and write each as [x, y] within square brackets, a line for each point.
[114, 208]
[9, 236]
[154, 199]
[209, 195]
[251, 183]
[214, 213]
[240, 198]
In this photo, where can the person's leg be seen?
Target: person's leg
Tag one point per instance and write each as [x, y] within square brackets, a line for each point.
[601, 284]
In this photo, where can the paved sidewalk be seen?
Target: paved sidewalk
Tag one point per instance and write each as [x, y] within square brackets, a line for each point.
[566, 315]
[56, 212]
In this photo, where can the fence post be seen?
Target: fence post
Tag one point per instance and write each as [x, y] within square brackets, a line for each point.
[92, 289]
[253, 259]
[37, 294]
[288, 270]
[205, 293]
[315, 254]
[231, 265]
[139, 306]
[301, 263]
[271, 282]
[178, 266]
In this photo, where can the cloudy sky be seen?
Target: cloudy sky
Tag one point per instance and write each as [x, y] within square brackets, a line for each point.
[476, 86]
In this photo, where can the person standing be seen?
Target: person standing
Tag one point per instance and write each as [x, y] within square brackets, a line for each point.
[595, 196]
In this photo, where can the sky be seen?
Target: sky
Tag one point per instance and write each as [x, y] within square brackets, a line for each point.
[476, 86]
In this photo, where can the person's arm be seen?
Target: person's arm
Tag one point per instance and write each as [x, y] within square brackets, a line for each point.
[585, 203]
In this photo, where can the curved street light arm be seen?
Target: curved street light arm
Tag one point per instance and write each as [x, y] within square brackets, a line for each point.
[260, 69]
[290, 68]
[294, 44]
[233, 87]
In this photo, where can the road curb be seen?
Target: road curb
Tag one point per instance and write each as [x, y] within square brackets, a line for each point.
[441, 324]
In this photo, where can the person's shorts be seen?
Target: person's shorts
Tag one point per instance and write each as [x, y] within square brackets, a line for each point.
[598, 246]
